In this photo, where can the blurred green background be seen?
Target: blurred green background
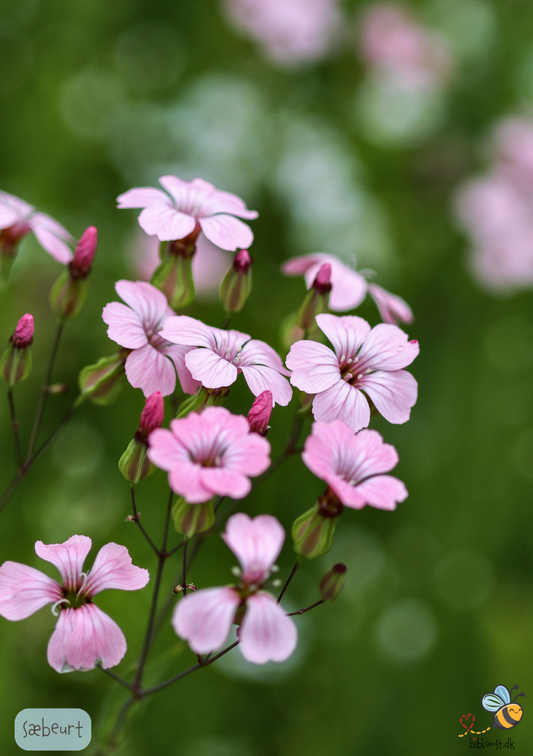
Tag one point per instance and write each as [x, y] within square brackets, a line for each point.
[98, 97]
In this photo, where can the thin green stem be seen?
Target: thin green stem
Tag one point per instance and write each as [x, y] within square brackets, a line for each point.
[184, 581]
[307, 609]
[116, 678]
[15, 426]
[287, 582]
[44, 393]
[136, 519]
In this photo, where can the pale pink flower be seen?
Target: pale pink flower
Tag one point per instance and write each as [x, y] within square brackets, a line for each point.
[209, 453]
[396, 46]
[209, 264]
[153, 362]
[18, 218]
[365, 362]
[216, 357]
[353, 465]
[174, 215]
[205, 618]
[349, 287]
[260, 412]
[290, 31]
[84, 635]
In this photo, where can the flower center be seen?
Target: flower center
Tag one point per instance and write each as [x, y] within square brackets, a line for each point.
[352, 369]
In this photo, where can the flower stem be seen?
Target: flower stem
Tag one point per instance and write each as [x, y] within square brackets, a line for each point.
[136, 518]
[44, 393]
[287, 582]
[15, 426]
[307, 609]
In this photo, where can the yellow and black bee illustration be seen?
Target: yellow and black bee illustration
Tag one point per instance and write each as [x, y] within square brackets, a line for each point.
[507, 713]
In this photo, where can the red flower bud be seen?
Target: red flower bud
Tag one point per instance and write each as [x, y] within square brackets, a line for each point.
[333, 582]
[259, 414]
[322, 282]
[81, 263]
[23, 335]
[242, 261]
[153, 414]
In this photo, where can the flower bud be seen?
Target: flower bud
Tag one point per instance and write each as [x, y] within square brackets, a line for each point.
[237, 284]
[333, 582]
[260, 412]
[174, 275]
[102, 382]
[16, 361]
[192, 518]
[312, 533]
[153, 414]
[316, 299]
[81, 264]
[70, 291]
[9, 240]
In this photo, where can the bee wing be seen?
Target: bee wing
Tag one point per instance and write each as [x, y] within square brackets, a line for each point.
[492, 702]
[503, 693]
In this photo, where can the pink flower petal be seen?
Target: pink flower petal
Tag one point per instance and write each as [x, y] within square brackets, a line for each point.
[211, 370]
[188, 195]
[260, 378]
[52, 237]
[266, 634]
[186, 331]
[125, 326]
[177, 353]
[204, 618]
[346, 333]
[225, 202]
[387, 348]
[225, 482]
[24, 590]
[166, 222]
[147, 302]
[391, 307]
[142, 197]
[255, 542]
[342, 402]
[150, 370]
[314, 366]
[68, 557]
[165, 450]
[186, 479]
[84, 637]
[227, 232]
[13, 210]
[382, 491]
[348, 288]
[113, 568]
[298, 266]
[392, 393]
[257, 352]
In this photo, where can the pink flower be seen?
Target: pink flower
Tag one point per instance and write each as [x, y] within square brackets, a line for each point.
[84, 635]
[353, 465]
[153, 362]
[81, 263]
[215, 358]
[174, 215]
[291, 31]
[204, 618]
[349, 288]
[209, 453]
[153, 414]
[365, 359]
[260, 412]
[23, 334]
[17, 219]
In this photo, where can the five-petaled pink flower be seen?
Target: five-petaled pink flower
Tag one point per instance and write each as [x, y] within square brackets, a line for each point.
[174, 215]
[349, 287]
[209, 453]
[365, 359]
[84, 635]
[353, 465]
[219, 356]
[18, 218]
[205, 618]
[135, 325]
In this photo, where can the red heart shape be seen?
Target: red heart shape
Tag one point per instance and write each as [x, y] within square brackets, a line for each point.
[466, 717]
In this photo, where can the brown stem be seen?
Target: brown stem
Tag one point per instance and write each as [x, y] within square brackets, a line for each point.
[293, 572]
[307, 609]
[136, 519]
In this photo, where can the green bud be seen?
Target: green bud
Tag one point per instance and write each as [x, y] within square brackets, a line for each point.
[237, 284]
[174, 278]
[68, 295]
[102, 382]
[333, 582]
[15, 364]
[134, 464]
[192, 518]
[316, 300]
[313, 531]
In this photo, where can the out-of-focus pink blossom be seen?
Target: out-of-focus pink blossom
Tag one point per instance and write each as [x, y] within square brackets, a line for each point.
[349, 287]
[216, 357]
[369, 360]
[153, 414]
[18, 218]
[395, 46]
[290, 31]
[174, 215]
[497, 210]
[84, 635]
[204, 618]
[209, 453]
[135, 325]
[209, 264]
[260, 412]
[81, 263]
[353, 465]
[23, 334]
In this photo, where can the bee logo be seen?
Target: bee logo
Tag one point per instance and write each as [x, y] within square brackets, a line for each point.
[507, 713]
